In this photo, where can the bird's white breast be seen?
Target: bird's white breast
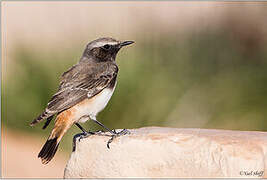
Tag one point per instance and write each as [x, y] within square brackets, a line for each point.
[94, 105]
[101, 100]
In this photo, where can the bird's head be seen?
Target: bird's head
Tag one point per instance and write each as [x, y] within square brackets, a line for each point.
[104, 49]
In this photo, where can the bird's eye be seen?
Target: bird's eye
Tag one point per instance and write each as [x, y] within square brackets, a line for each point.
[107, 46]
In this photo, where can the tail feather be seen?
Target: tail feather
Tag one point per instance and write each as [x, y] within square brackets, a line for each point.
[49, 150]
[62, 123]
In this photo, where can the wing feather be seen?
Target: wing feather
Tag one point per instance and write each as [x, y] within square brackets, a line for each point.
[81, 81]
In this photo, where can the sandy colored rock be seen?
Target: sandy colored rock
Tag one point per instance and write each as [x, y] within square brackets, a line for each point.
[171, 152]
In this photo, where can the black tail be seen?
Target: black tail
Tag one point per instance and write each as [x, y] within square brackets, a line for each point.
[49, 150]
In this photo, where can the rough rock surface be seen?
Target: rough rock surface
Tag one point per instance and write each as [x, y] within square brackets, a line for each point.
[171, 152]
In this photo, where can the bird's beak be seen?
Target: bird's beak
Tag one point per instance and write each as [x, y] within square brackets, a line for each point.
[126, 43]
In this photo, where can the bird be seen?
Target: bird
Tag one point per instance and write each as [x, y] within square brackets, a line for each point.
[84, 90]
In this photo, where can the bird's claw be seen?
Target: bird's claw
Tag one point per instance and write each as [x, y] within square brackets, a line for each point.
[117, 134]
[85, 135]
[79, 137]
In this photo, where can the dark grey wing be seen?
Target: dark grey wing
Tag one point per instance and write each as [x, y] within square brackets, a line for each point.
[72, 95]
[76, 85]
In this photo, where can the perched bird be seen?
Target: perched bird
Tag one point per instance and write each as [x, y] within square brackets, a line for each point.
[83, 92]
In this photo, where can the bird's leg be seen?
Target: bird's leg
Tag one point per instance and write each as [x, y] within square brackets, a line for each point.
[114, 134]
[102, 125]
[85, 133]
[80, 127]
[83, 130]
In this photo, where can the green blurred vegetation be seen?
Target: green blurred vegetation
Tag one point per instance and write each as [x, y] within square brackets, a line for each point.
[208, 79]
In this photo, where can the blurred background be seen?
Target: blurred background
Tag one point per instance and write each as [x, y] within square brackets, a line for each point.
[193, 65]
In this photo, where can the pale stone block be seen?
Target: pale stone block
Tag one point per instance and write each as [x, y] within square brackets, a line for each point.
[170, 152]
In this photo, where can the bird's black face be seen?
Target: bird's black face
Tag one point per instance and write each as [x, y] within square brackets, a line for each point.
[105, 49]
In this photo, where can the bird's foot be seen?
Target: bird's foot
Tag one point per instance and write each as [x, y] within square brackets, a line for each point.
[80, 136]
[117, 134]
[85, 134]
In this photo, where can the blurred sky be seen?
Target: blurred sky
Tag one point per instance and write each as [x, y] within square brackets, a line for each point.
[58, 24]
[63, 22]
